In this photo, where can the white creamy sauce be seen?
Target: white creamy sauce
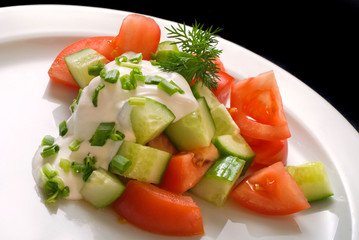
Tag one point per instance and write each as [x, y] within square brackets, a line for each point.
[111, 108]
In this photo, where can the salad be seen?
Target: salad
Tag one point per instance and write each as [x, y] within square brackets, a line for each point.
[150, 124]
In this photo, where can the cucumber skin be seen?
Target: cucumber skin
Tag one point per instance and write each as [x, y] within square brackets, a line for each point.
[215, 186]
[147, 164]
[136, 117]
[164, 50]
[312, 179]
[199, 91]
[194, 130]
[225, 151]
[95, 189]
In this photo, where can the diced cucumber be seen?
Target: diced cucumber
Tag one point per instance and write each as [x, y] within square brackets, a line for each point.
[150, 120]
[312, 179]
[235, 145]
[223, 121]
[78, 64]
[193, 130]
[219, 180]
[147, 164]
[221, 117]
[164, 49]
[199, 90]
[102, 188]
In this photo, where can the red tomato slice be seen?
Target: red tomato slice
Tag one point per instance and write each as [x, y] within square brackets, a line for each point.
[272, 191]
[260, 112]
[219, 64]
[224, 86]
[185, 169]
[159, 211]
[267, 152]
[58, 71]
[138, 34]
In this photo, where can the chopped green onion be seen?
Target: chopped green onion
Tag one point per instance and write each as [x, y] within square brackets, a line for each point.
[137, 75]
[96, 92]
[130, 65]
[50, 150]
[136, 58]
[76, 101]
[167, 87]
[180, 90]
[65, 164]
[102, 133]
[49, 170]
[155, 80]
[110, 76]
[63, 128]
[120, 164]
[117, 136]
[55, 188]
[120, 59]
[85, 168]
[127, 83]
[137, 101]
[155, 63]
[75, 145]
[48, 140]
[96, 69]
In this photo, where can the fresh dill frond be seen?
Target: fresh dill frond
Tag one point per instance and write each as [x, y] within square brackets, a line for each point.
[199, 52]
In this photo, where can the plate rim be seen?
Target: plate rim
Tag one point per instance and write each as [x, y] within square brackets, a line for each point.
[346, 130]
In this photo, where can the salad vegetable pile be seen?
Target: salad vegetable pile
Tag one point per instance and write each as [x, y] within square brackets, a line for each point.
[150, 124]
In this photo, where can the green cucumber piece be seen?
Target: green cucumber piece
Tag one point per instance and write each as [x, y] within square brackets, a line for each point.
[147, 164]
[223, 121]
[78, 63]
[221, 117]
[164, 49]
[150, 120]
[312, 179]
[235, 145]
[199, 90]
[102, 188]
[193, 130]
[219, 180]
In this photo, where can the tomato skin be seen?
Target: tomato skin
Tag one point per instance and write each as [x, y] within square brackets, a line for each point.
[58, 71]
[163, 143]
[159, 211]
[260, 112]
[267, 152]
[224, 86]
[138, 34]
[271, 191]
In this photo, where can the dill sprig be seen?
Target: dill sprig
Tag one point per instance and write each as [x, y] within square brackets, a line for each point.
[196, 61]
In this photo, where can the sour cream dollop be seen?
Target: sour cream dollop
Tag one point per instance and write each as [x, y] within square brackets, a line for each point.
[111, 107]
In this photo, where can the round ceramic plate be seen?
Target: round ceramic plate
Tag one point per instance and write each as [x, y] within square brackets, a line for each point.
[30, 39]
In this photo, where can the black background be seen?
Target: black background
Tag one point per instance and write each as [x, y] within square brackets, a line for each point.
[316, 41]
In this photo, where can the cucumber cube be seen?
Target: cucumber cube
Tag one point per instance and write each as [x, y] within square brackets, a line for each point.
[219, 180]
[150, 120]
[78, 63]
[102, 188]
[147, 164]
[312, 179]
[194, 130]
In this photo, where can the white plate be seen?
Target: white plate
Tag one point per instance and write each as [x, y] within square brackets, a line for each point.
[32, 36]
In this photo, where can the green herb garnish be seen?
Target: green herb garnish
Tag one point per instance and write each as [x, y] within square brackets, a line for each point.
[85, 168]
[196, 62]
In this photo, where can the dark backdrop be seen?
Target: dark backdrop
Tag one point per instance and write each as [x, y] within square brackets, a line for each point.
[316, 41]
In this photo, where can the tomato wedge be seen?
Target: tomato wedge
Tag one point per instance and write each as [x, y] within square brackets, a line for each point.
[58, 71]
[186, 169]
[260, 112]
[267, 152]
[272, 191]
[224, 86]
[159, 211]
[138, 34]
